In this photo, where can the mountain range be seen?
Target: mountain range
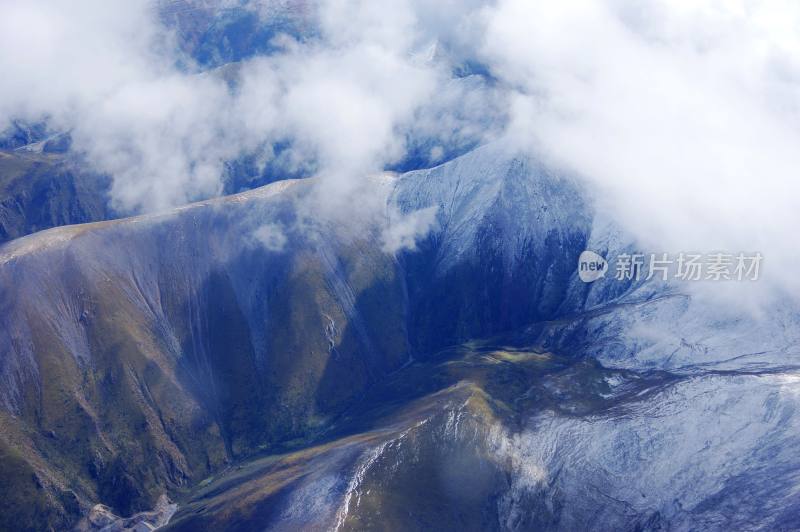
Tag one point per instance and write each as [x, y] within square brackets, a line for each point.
[322, 381]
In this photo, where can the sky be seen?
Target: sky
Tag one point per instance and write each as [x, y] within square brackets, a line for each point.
[681, 116]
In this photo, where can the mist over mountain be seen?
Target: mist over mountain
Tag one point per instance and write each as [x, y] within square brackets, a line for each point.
[144, 355]
[317, 265]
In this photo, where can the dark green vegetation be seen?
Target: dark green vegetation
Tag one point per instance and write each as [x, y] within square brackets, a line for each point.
[24, 503]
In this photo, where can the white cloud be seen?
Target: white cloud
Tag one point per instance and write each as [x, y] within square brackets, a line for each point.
[105, 71]
[270, 236]
[682, 115]
[344, 98]
[404, 230]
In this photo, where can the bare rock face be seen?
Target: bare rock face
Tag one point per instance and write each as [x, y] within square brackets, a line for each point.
[102, 519]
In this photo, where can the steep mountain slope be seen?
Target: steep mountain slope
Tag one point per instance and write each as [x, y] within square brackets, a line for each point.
[141, 356]
[39, 190]
[217, 33]
[490, 437]
[510, 232]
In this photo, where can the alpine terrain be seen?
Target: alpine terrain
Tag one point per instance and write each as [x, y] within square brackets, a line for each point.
[183, 370]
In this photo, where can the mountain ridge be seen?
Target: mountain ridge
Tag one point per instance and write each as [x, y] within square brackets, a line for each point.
[141, 356]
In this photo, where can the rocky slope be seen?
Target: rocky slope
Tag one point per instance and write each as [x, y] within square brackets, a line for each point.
[141, 356]
[491, 437]
[43, 189]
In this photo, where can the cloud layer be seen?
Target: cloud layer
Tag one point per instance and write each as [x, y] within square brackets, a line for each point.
[142, 111]
[681, 115]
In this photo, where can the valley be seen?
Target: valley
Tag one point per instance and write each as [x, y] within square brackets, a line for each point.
[326, 381]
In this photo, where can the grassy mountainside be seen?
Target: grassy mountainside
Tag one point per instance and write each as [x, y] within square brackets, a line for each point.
[131, 372]
[141, 355]
[164, 353]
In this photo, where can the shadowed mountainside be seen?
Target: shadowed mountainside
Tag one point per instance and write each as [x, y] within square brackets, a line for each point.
[142, 356]
[39, 190]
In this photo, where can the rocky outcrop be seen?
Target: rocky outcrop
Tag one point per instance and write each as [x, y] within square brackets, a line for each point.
[102, 519]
